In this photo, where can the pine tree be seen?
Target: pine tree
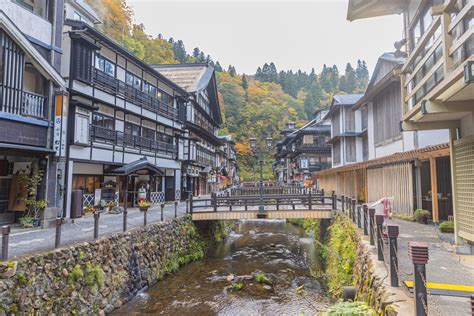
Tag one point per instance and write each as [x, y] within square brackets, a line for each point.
[334, 78]
[231, 71]
[324, 79]
[245, 84]
[265, 72]
[202, 57]
[180, 51]
[362, 74]
[258, 74]
[272, 73]
[171, 40]
[342, 84]
[196, 52]
[351, 80]
[218, 67]
[312, 99]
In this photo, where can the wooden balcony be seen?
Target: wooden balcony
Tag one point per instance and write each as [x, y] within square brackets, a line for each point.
[23, 103]
[117, 87]
[116, 138]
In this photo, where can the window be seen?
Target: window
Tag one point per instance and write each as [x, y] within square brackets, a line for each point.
[86, 183]
[350, 120]
[350, 150]
[105, 65]
[83, 61]
[148, 133]
[308, 139]
[336, 152]
[38, 7]
[387, 115]
[149, 89]
[165, 98]
[132, 129]
[103, 121]
[133, 80]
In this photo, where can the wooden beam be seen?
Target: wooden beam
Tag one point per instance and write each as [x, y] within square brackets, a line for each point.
[435, 107]
[434, 190]
[422, 126]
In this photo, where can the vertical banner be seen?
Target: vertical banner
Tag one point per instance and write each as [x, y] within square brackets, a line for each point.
[60, 124]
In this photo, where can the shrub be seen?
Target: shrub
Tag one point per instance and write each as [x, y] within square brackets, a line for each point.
[351, 308]
[447, 227]
[237, 286]
[262, 278]
[422, 215]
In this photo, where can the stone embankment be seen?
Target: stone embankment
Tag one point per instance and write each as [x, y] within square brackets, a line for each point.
[97, 277]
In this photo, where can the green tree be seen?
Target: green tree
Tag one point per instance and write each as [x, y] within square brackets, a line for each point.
[351, 80]
[245, 84]
[312, 99]
[180, 51]
[218, 67]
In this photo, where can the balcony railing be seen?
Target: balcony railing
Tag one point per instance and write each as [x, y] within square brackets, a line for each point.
[33, 105]
[114, 86]
[22, 102]
[108, 136]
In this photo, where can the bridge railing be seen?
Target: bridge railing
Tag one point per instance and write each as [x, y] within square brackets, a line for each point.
[307, 201]
[273, 190]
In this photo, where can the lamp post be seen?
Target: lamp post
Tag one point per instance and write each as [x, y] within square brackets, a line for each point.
[259, 152]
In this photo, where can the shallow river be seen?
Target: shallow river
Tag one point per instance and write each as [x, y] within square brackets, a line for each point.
[278, 249]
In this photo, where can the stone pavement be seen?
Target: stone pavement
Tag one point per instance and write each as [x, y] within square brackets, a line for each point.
[24, 242]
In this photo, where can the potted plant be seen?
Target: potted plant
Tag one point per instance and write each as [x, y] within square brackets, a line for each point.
[144, 205]
[34, 208]
[422, 216]
[26, 221]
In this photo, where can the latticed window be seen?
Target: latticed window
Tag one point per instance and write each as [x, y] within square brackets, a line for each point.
[387, 115]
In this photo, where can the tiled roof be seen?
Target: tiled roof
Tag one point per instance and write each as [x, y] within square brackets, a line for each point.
[190, 77]
[346, 99]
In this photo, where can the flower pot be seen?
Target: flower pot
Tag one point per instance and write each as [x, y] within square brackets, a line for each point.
[36, 222]
[144, 209]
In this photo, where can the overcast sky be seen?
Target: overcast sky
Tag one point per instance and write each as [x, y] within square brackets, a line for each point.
[292, 34]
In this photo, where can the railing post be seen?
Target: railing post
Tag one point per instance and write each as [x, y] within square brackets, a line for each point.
[379, 222]
[57, 239]
[96, 225]
[359, 224]
[418, 253]
[371, 226]
[5, 238]
[353, 208]
[162, 206]
[191, 203]
[125, 217]
[214, 201]
[365, 211]
[393, 231]
[277, 204]
[334, 201]
[246, 204]
[175, 209]
[310, 201]
[342, 203]
[322, 193]
[144, 217]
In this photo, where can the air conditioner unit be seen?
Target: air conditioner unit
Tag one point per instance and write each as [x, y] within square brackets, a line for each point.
[469, 72]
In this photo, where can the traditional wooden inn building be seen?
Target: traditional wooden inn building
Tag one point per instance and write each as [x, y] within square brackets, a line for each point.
[304, 151]
[31, 92]
[202, 121]
[407, 166]
[348, 130]
[438, 84]
[228, 172]
[121, 111]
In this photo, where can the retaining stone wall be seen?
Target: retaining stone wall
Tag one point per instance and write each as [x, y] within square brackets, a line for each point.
[94, 278]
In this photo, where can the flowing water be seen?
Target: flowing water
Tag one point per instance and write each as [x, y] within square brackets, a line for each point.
[280, 250]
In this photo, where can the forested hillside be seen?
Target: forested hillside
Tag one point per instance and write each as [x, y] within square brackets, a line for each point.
[253, 105]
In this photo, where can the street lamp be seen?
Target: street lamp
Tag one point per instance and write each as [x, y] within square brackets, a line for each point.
[253, 145]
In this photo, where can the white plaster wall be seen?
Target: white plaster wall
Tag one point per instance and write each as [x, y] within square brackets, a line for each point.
[389, 148]
[28, 22]
[432, 137]
[467, 125]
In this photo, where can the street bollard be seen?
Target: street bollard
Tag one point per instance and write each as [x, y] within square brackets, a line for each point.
[191, 203]
[365, 211]
[187, 205]
[359, 209]
[96, 225]
[125, 212]
[57, 240]
[5, 238]
[162, 209]
[418, 253]
[379, 223]
[144, 217]
[393, 231]
[310, 202]
[371, 226]
[175, 209]
[342, 203]
[214, 201]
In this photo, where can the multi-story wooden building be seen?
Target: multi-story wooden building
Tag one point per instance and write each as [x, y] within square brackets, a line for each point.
[120, 110]
[31, 92]
[304, 151]
[203, 118]
[348, 130]
[406, 179]
[228, 172]
[437, 81]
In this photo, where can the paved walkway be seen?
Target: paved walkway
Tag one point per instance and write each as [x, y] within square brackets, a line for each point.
[24, 242]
